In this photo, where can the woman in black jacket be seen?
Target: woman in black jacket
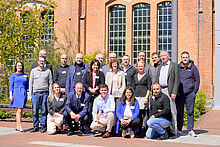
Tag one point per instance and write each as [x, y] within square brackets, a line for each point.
[56, 106]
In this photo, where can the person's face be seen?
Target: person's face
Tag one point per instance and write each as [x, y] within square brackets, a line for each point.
[79, 59]
[43, 53]
[155, 59]
[100, 58]
[104, 92]
[125, 60]
[63, 59]
[156, 90]
[79, 88]
[56, 88]
[115, 66]
[41, 62]
[185, 58]
[141, 56]
[164, 57]
[128, 94]
[112, 56]
[140, 67]
[19, 67]
[95, 66]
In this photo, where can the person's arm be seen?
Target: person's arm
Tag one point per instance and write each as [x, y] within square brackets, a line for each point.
[123, 81]
[177, 79]
[137, 110]
[68, 81]
[86, 81]
[31, 82]
[166, 108]
[50, 106]
[197, 79]
[68, 103]
[11, 87]
[62, 109]
[94, 110]
[102, 79]
[50, 82]
[118, 111]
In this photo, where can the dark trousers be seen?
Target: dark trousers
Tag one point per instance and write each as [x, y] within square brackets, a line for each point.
[133, 124]
[68, 119]
[189, 100]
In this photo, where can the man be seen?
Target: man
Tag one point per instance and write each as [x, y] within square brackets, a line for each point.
[103, 112]
[156, 61]
[100, 57]
[40, 84]
[75, 73]
[142, 56]
[129, 70]
[106, 68]
[160, 115]
[168, 78]
[189, 86]
[60, 73]
[77, 110]
[43, 53]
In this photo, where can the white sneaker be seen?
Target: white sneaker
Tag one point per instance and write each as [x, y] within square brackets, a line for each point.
[132, 134]
[124, 133]
[192, 133]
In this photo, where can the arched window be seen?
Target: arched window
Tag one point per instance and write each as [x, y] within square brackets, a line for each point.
[165, 26]
[117, 24]
[141, 30]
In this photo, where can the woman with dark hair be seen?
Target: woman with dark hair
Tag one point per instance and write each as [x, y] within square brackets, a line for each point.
[115, 79]
[56, 106]
[18, 90]
[127, 113]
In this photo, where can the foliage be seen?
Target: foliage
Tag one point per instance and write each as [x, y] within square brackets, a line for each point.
[199, 107]
[5, 114]
[27, 114]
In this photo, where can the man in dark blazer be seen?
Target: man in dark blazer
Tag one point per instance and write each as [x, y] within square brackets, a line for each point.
[77, 110]
[75, 73]
[168, 78]
[43, 53]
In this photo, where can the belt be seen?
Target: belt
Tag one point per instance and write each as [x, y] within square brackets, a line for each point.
[164, 87]
[41, 91]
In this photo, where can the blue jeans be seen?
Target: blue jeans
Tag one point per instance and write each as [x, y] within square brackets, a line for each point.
[37, 100]
[156, 127]
[189, 100]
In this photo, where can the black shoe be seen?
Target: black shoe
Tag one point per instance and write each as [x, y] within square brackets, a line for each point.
[43, 130]
[70, 133]
[34, 130]
[163, 136]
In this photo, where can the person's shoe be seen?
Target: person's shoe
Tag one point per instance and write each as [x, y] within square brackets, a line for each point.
[163, 136]
[132, 134]
[70, 133]
[34, 130]
[179, 133]
[106, 135]
[43, 130]
[192, 133]
[124, 132]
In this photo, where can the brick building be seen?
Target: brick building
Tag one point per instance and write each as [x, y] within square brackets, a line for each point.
[128, 26]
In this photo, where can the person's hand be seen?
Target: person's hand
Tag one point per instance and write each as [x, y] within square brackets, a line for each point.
[173, 96]
[11, 98]
[123, 121]
[152, 116]
[98, 115]
[52, 120]
[57, 114]
[92, 90]
[77, 116]
[73, 115]
[29, 98]
[127, 122]
[62, 90]
[145, 101]
[99, 125]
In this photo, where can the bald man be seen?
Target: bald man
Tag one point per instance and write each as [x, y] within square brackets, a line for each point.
[60, 72]
[106, 68]
[75, 73]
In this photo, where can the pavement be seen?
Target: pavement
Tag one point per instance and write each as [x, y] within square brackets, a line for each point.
[207, 128]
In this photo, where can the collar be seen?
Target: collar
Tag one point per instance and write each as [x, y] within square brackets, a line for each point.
[79, 96]
[64, 66]
[42, 69]
[168, 63]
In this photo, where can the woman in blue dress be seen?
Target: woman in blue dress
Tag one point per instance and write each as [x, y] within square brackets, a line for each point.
[18, 88]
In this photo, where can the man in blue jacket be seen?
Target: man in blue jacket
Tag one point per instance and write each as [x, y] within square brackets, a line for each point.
[75, 73]
[189, 85]
[77, 109]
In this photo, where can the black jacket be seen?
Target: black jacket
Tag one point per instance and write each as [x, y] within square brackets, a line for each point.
[56, 106]
[142, 85]
[160, 106]
[129, 76]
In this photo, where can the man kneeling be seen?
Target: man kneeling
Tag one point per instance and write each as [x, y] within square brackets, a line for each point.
[77, 109]
[103, 112]
[160, 114]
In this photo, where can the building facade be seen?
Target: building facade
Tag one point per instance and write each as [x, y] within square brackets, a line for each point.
[130, 26]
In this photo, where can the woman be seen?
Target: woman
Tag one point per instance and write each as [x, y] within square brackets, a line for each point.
[56, 106]
[18, 87]
[115, 80]
[142, 91]
[127, 113]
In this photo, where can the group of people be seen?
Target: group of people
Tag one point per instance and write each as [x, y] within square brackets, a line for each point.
[108, 99]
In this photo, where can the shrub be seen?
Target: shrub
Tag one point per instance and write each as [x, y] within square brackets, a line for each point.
[5, 114]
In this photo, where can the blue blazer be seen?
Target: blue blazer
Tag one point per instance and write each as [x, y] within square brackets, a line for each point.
[70, 80]
[120, 112]
[71, 103]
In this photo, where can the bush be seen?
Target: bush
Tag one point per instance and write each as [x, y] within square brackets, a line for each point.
[199, 107]
[5, 114]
